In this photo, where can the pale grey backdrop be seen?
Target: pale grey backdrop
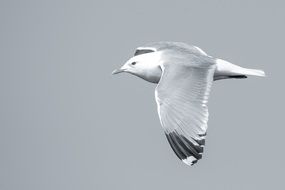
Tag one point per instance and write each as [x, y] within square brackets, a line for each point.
[66, 123]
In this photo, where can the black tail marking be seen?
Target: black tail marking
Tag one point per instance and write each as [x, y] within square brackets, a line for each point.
[238, 76]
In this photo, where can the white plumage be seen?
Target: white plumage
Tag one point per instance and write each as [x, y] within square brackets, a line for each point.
[184, 75]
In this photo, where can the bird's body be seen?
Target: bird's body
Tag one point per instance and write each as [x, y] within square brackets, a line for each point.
[184, 74]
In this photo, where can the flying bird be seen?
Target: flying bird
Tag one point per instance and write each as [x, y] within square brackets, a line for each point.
[184, 75]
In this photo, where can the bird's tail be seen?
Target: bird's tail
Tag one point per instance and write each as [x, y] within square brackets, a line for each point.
[253, 72]
[226, 70]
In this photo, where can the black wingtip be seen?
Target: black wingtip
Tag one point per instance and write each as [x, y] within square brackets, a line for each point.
[184, 149]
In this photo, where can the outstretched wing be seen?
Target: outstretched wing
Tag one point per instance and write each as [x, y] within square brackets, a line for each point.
[181, 96]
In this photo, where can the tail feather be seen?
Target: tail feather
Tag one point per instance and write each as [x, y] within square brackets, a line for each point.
[254, 72]
[226, 70]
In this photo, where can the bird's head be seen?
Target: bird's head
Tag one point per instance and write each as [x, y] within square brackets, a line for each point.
[144, 64]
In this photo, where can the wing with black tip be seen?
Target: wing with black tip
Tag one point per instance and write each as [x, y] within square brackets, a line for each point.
[181, 97]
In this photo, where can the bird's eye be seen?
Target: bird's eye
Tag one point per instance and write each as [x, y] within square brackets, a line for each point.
[133, 63]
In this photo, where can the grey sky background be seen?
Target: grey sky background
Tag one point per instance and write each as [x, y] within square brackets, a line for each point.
[66, 123]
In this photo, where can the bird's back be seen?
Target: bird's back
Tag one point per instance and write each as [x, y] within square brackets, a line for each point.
[181, 53]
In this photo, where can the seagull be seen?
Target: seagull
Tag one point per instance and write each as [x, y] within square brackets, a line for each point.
[184, 75]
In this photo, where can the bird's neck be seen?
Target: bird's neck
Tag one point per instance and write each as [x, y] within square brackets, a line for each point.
[152, 74]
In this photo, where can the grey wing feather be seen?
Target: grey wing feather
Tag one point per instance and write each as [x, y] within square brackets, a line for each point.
[181, 97]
